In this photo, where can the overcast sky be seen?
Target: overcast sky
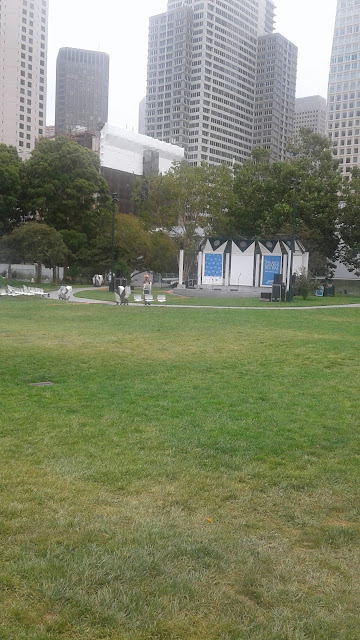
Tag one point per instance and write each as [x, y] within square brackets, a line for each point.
[119, 27]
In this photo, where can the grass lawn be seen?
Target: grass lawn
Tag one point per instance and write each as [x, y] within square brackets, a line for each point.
[186, 477]
[171, 298]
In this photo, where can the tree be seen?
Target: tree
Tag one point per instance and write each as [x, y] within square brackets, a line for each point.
[264, 198]
[188, 202]
[63, 188]
[131, 246]
[36, 243]
[349, 223]
[11, 173]
[163, 254]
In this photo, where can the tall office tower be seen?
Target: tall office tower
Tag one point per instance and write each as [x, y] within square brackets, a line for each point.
[311, 113]
[275, 95]
[344, 86]
[202, 74]
[23, 54]
[82, 89]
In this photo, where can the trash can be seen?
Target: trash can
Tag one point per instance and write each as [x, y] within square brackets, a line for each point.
[329, 290]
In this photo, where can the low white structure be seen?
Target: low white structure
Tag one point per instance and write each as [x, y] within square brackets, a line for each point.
[246, 265]
[135, 153]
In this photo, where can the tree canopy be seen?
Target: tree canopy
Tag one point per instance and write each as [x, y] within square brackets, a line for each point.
[61, 187]
[64, 188]
[263, 197]
[11, 175]
[35, 243]
[186, 202]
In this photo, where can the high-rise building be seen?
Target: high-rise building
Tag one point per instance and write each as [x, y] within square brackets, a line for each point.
[23, 56]
[311, 113]
[344, 86]
[202, 70]
[82, 89]
[275, 95]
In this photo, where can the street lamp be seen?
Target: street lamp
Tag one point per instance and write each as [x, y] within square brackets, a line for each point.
[290, 294]
[115, 199]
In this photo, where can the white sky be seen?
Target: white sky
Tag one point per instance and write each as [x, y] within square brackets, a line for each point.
[119, 27]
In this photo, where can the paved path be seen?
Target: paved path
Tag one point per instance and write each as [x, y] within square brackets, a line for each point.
[273, 307]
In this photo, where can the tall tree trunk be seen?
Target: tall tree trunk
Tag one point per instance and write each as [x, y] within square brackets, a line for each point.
[9, 272]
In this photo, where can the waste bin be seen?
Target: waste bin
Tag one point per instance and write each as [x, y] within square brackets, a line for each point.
[329, 290]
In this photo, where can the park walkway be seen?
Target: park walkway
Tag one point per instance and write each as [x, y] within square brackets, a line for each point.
[272, 307]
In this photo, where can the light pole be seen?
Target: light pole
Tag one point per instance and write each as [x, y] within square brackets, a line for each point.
[290, 294]
[115, 199]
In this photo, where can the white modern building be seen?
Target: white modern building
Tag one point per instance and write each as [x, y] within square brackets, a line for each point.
[135, 153]
[124, 155]
[202, 74]
[344, 86]
[23, 55]
[311, 113]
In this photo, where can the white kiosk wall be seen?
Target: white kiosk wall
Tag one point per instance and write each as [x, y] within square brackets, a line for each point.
[242, 265]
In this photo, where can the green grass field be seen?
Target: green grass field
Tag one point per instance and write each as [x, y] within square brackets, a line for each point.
[187, 476]
[172, 298]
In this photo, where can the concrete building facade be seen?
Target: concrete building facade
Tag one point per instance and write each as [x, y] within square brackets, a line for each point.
[343, 125]
[23, 59]
[311, 113]
[202, 70]
[274, 118]
[82, 90]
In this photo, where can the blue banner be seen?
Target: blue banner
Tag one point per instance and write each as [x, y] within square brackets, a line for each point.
[213, 265]
[271, 265]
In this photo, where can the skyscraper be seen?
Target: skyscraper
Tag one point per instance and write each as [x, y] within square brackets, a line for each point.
[275, 95]
[311, 113]
[344, 85]
[23, 56]
[82, 89]
[202, 70]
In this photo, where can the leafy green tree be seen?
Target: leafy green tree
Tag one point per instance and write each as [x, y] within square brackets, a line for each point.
[64, 189]
[131, 246]
[35, 243]
[162, 256]
[349, 223]
[187, 202]
[264, 198]
[11, 172]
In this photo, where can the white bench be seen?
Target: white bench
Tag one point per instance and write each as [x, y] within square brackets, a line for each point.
[137, 297]
[27, 291]
[161, 297]
[36, 291]
[148, 298]
[14, 291]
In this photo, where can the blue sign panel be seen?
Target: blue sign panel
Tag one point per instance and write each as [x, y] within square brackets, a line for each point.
[213, 265]
[272, 265]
